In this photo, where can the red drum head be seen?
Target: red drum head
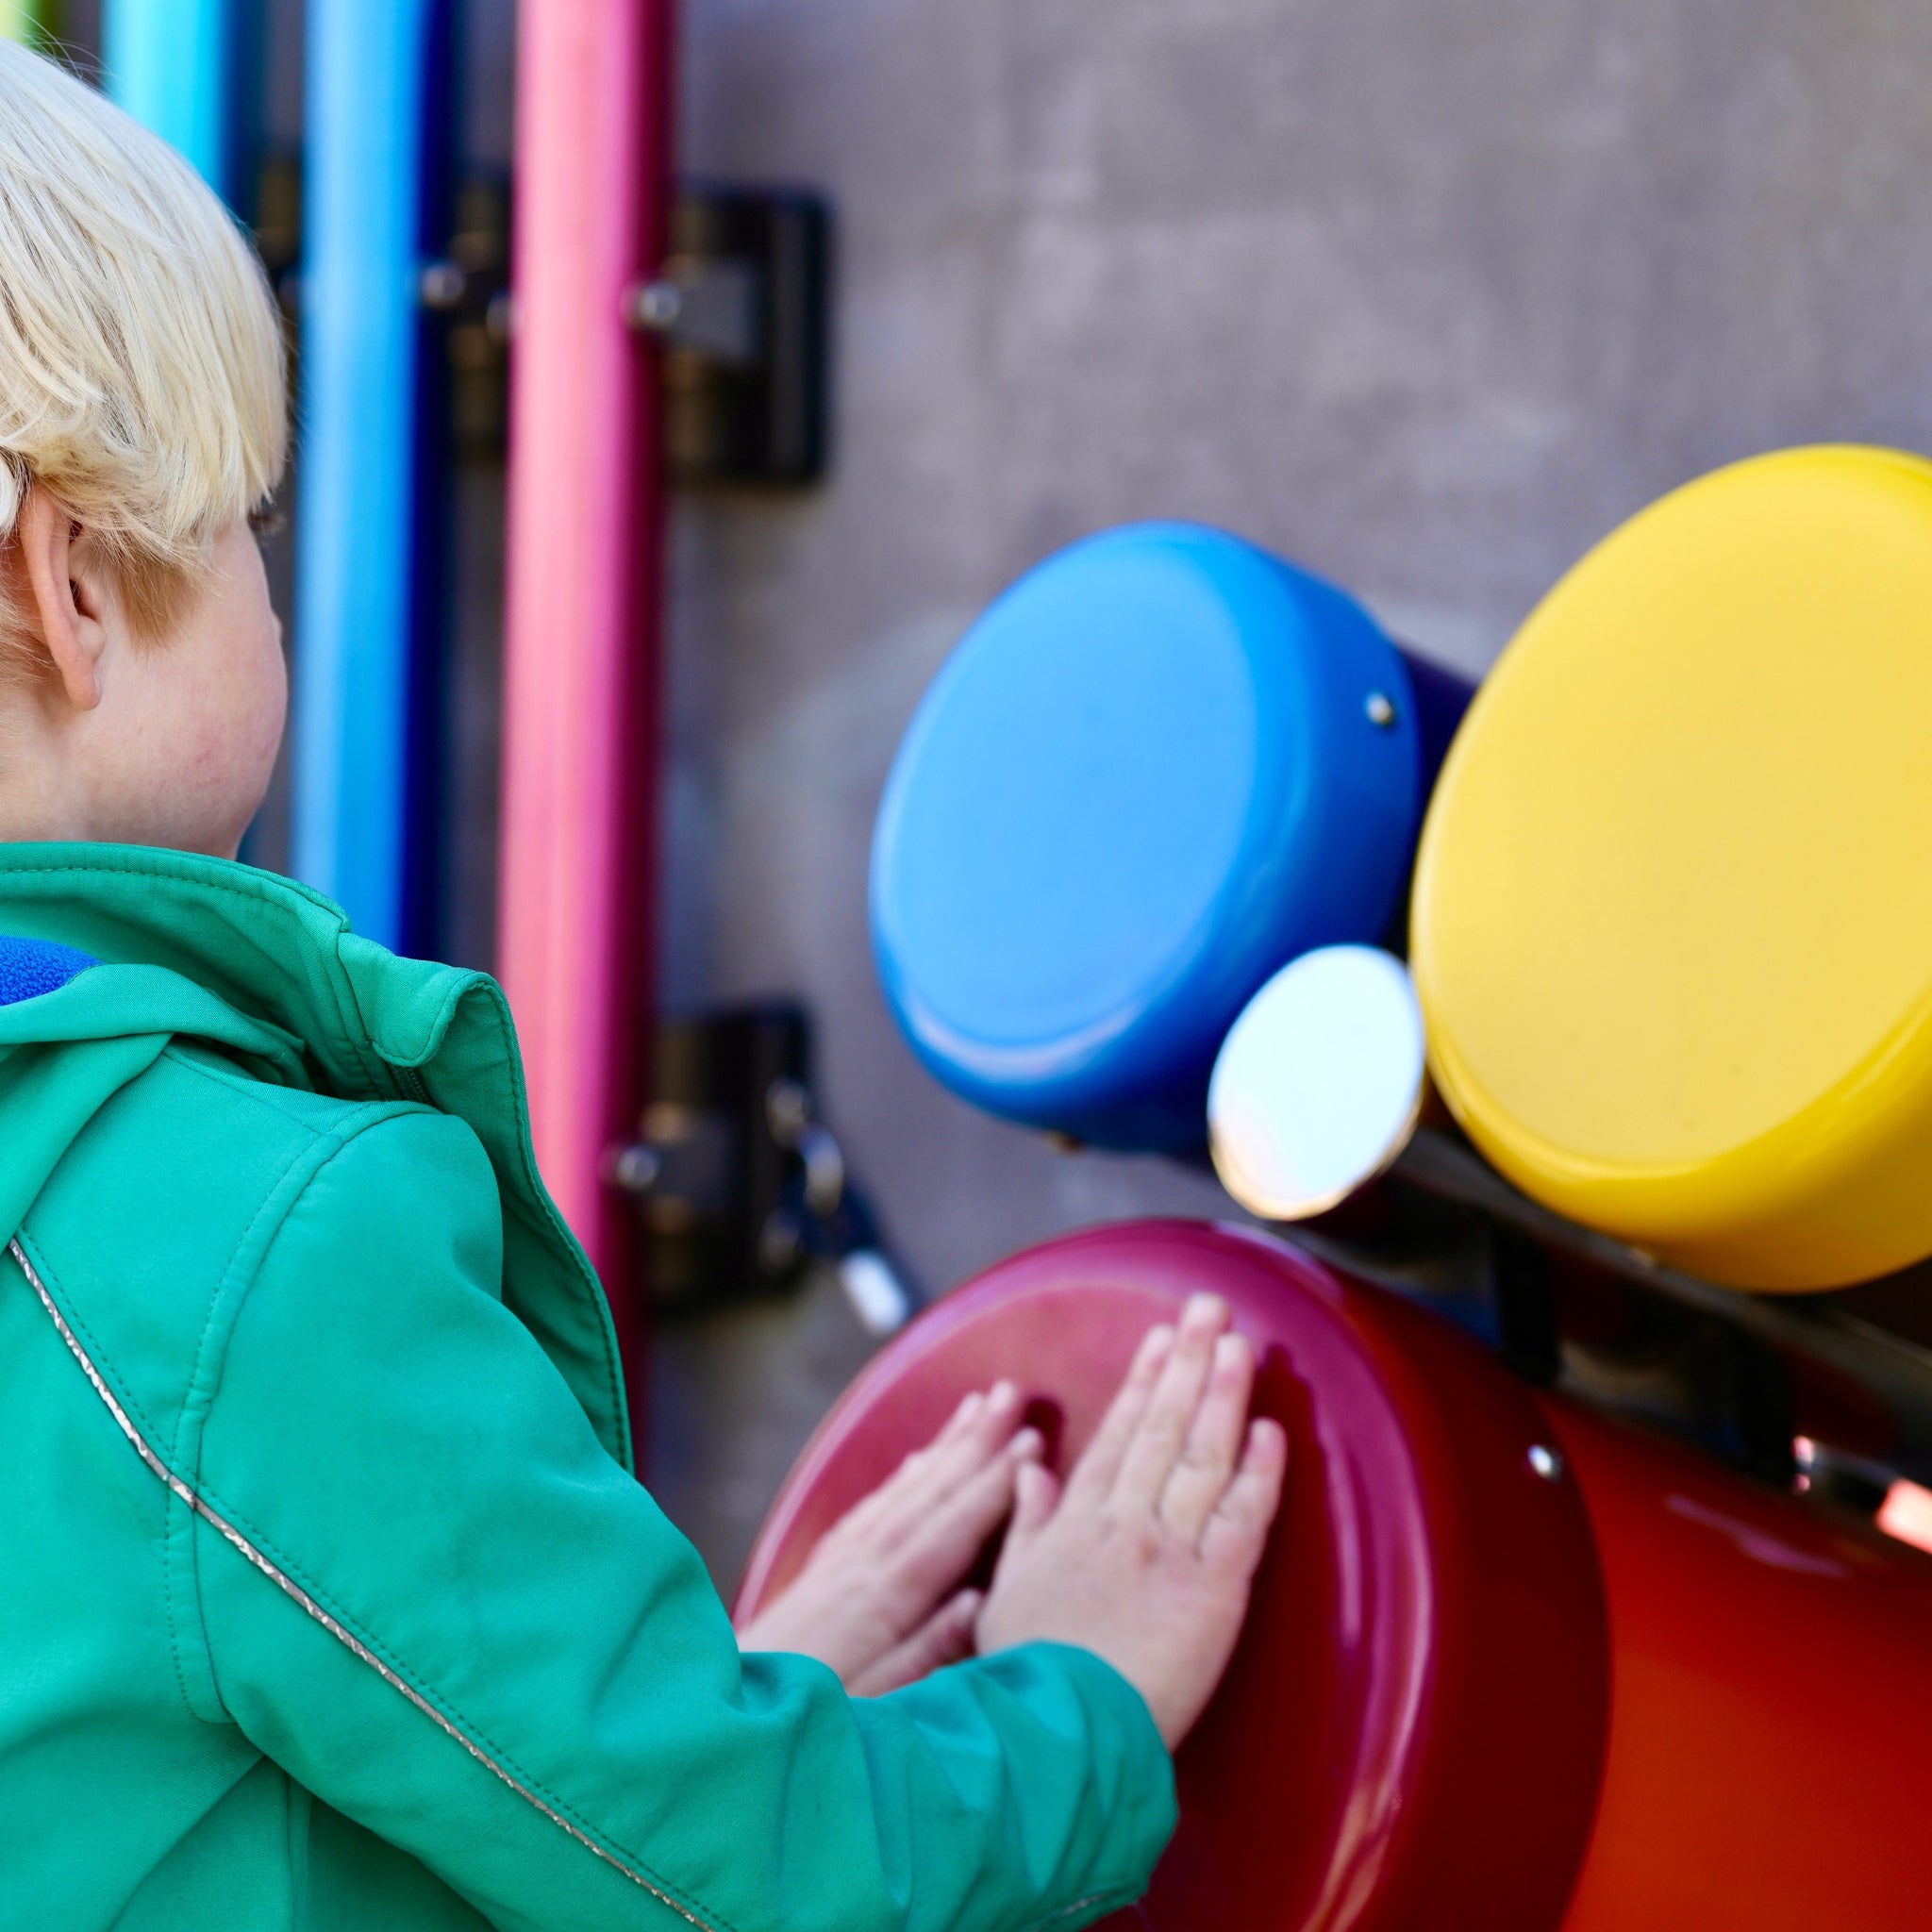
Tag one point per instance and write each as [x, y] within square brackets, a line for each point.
[1413, 1730]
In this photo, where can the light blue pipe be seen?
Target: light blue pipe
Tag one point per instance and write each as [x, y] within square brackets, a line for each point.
[171, 64]
[356, 510]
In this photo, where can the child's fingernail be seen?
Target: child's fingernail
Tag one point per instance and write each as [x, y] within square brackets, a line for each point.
[1028, 1444]
[1003, 1393]
[1154, 1347]
[1203, 1309]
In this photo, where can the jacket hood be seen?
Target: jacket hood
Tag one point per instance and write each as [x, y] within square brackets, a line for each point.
[118, 949]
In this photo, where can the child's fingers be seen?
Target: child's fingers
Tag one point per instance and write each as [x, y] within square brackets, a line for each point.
[984, 1418]
[1163, 1427]
[977, 1430]
[1201, 1475]
[957, 1526]
[957, 1458]
[912, 1472]
[1035, 1495]
[1237, 1531]
[1094, 1474]
[959, 1423]
[943, 1639]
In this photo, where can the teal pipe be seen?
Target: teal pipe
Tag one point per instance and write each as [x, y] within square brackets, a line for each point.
[171, 64]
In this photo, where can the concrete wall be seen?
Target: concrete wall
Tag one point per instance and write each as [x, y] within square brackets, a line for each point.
[1426, 296]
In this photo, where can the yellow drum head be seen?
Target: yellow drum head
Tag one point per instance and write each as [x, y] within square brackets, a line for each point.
[1672, 911]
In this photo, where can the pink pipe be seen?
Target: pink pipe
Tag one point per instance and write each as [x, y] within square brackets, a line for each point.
[578, 874]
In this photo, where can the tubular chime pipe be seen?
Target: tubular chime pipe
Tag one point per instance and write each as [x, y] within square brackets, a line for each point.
[358, 633]
[584, 581]
[172, 64]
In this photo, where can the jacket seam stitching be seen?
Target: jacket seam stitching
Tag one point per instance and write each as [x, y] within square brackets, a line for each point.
[527, 1160]
[175, 1647]
[244, 1087]
[1111, 1896]
[206, 1503]
[342, 1136]
[366, 1117]
[239, 1088]
[262, 1211]
[149, 1430]
[37, 1256]
[79, 1321]
[376, 1116]
[417, 1682]
[420, 1685]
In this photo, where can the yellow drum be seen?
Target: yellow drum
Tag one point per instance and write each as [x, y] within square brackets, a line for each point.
[1673, 910]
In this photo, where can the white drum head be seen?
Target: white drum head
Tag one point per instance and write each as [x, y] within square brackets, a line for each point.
[1319, 1084]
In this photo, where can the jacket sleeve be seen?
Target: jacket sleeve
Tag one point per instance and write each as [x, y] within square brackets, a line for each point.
[441, 1607]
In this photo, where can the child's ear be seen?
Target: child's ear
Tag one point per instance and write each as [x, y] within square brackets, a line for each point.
[68, 595]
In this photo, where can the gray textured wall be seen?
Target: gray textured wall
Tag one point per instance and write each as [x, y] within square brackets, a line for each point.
[1425, 293]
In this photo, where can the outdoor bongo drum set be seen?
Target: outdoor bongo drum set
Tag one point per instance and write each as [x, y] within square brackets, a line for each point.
[1554, 1039]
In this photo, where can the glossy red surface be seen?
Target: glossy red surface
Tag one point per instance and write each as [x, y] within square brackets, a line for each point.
[1411, 1732]
[1770, 1763]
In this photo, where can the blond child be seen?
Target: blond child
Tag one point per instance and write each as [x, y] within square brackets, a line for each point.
[329, 1598]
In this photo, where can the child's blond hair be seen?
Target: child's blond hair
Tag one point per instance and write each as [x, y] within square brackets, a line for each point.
[141, 380]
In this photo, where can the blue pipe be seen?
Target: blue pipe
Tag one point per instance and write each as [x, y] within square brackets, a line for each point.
[359, 508]
[171, 64]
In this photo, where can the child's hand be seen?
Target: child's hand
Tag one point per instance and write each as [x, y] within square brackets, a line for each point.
[876, 1599]
[1147, 1558]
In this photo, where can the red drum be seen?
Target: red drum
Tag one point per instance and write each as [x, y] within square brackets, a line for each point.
[1509, 1666]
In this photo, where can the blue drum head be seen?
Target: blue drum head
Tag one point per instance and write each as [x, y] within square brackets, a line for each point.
[1159, 767]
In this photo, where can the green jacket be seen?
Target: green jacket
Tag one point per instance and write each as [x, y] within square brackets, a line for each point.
[328, 1599]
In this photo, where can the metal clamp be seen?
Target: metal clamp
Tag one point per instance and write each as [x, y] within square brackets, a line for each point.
[739, 311]
[740, 1185]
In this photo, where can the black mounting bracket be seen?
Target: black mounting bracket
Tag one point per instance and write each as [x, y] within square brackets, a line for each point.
[742, 307]
[740, 1185]
[1569, 1308]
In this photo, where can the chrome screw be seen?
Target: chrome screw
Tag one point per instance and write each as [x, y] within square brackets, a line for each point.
[654, 308]
[1547, 1462]
[1381, 710]
[635, 1168]
[442, 285]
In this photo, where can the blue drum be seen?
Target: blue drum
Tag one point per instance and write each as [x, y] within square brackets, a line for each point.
[1157, 768]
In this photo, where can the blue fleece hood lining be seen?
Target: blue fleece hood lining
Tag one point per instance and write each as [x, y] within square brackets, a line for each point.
[29, 968]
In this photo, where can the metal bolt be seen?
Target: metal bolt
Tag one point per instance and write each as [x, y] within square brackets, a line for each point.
[787, 1112]
[781, 1244]
[635, 1168]
[1381, 710]
[500, 318]
[442, 285]
[654, 308]
[824, 1171]
[1547, 1462]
